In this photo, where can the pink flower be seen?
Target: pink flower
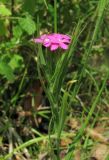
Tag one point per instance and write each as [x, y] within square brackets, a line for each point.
[54, 41]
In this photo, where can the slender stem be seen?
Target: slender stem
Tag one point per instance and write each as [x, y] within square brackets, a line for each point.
[45, 4]
[11, 23]
[15, 98]
[55, 16]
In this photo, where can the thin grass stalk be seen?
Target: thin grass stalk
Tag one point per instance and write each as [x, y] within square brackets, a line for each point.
[55, 16]
[62, 117]
[33, 141]
[15, 98]
[45, 4]
[101, 8]
[49, 95]
[93, 123]
[90, 113]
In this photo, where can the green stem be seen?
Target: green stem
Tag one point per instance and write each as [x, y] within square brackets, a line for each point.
[55, 16]
[45, 4]
[33, 141]
[15, 98]
[11, 23]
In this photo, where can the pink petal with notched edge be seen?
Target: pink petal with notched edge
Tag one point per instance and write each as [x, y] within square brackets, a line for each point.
[66, 40]
[43, 36]
[66, 36]
[63, 46]
[53, 47]
[37, 40]
[47, 44]
[52, 39]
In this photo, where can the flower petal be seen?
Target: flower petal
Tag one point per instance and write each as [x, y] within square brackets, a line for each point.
[53, 47]
[65, 36]
[52, 38]
[47, 44]
[43, 36]
[37, 40]
[63, 46]
[66, 40]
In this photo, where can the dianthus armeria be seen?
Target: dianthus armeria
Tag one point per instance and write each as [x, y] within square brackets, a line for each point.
[54, 41]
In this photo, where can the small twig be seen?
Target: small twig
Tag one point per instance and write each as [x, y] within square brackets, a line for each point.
[19, 140]
[10, 142]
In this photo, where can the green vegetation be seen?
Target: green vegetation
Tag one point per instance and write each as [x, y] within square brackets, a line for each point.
[54, 105]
